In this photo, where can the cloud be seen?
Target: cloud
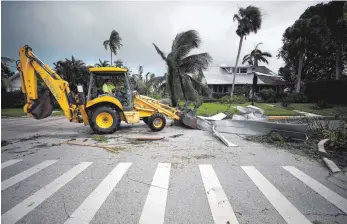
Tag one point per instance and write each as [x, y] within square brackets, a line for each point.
[58, 30]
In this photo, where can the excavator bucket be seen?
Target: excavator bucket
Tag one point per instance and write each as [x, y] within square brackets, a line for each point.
[189, 119]
[42, 107]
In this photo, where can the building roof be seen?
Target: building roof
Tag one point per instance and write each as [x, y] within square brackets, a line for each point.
[14, 76]
[215, 75]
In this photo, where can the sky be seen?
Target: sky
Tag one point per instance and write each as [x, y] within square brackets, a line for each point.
[58, 30]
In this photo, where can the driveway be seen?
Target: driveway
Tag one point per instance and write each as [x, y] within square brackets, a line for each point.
[53, 173]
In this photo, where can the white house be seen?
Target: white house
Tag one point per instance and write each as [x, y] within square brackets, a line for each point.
[13, 83]
[220, 78]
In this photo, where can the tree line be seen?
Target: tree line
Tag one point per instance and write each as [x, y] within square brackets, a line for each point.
[314, 48]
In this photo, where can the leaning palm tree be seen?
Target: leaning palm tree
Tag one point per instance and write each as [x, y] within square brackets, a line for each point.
[102, 64]
[256, 56]
[114, 43]
[249, 20]
[181, 67]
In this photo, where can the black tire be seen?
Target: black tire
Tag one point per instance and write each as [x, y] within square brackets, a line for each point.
[104, 130]
[152, 122]
[118, 123]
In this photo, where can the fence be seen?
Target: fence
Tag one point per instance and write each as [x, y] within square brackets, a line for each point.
[17, 100]
[329, 91]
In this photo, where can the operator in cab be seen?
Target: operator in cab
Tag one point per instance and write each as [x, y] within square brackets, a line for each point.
[108, 87]
[118, 92]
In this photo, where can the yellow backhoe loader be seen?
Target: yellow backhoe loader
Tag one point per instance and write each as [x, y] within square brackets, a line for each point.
[103, 112]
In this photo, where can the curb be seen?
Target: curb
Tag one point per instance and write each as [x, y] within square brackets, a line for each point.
[329, 163]
[321, 149]
[274, 117]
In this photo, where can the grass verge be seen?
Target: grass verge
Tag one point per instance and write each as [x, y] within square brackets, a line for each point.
[18, 112]
[332, 110]
[209, 109]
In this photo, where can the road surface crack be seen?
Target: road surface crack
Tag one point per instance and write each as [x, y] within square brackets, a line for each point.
[68, 216]
[324, 214]
[147, 183]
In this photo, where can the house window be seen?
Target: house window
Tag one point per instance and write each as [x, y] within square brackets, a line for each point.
[225, 88]
[215, 89]
[243, 70]
[220, 88]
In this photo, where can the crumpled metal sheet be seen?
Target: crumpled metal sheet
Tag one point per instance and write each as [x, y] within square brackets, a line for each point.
[216, 117]
[249, 113]
[258, 127]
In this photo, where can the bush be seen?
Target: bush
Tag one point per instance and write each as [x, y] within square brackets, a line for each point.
[337, 138]
[298, 98]
[268, 95]
[242, 90]
[321, 104]
[287, 99]
[234, 100]
[156, 96]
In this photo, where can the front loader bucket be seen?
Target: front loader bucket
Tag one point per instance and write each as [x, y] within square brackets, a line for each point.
[42, 107]
[189, 119]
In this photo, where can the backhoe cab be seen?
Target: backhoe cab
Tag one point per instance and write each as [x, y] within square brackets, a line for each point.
[103, 112]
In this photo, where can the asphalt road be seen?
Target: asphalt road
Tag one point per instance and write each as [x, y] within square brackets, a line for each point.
[193, 178]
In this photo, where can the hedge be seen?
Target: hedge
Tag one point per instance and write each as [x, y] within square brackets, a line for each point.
[329, 91]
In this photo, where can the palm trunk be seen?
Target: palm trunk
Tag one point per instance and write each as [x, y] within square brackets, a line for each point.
[338, 61]
[111, 57]
[182, 86]
[235, 69]
[147, 84]
[301, 61]
[171, 87]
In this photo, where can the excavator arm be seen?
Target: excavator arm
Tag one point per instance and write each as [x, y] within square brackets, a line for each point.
[29, 67]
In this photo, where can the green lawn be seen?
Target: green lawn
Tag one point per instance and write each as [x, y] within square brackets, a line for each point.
[18, 112]
[333, 110]
[209, 109]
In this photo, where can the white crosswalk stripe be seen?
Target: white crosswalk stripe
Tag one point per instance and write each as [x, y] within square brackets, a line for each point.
[221, 209]
[23, 208]
[287, 210]
[10, 162]
[25, 174]
[154, 209]
[325, 192]
[87, 210]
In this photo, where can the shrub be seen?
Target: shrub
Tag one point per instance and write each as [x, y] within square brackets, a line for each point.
[321, 104]
[242, 90]
[286, 99]
[234, 100]
[156, 96]
[268, 95]
[298, 98]
[289, 98]
[337, 138]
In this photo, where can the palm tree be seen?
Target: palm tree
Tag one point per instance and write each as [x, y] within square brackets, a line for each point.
[180, 65]
[74, 71]
[114, 43]
[249, 20]
[102, 64]
[5, 67]
[256, 56]
[300, 33]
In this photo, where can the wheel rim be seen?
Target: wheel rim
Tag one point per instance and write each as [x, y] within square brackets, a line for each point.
[104, 120]
[158, 122]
